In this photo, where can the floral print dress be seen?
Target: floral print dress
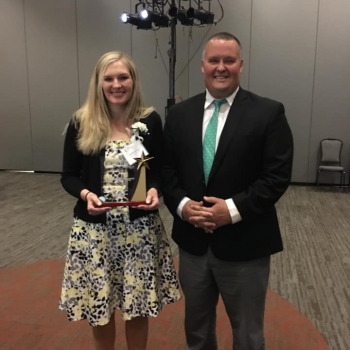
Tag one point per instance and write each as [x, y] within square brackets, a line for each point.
[123, 264]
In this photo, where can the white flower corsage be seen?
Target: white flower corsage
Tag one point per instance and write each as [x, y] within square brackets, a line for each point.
[137, 129]
[141, 127]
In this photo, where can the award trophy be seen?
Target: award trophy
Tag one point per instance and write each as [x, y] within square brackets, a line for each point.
[137, 191]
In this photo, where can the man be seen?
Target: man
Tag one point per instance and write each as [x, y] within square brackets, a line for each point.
[227, 160]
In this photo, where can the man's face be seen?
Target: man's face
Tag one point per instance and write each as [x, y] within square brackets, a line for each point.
[222, 66]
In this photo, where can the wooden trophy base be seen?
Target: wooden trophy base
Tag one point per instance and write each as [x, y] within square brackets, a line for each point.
[121, 204]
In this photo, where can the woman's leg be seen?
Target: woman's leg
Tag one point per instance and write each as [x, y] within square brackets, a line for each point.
[136, 331]
[104, 336]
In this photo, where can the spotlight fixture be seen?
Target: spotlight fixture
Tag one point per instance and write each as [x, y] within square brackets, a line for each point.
[155, 14]
[173, 11]
[143, 14]
[158, 19]
[140, 23]
[205, 17]
[182, 17]
[127, 18]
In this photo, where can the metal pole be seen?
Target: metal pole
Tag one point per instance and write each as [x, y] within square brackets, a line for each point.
[172, 62]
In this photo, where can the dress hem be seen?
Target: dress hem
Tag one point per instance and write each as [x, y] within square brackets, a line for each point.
[82, 318]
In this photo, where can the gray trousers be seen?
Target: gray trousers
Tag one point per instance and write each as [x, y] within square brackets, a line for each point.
[242, 286]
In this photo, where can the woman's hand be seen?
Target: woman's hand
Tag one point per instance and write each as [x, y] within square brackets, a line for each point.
[93, 203]
[152, 200]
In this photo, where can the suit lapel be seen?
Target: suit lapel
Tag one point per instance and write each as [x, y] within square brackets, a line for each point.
[234, 116]
[195, 126]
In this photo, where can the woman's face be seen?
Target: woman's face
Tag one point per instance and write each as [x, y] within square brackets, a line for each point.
[117, 84]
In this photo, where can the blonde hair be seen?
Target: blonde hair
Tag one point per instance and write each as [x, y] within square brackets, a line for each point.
[93, 118]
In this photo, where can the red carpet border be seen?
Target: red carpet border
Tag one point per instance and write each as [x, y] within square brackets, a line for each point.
[30, 319]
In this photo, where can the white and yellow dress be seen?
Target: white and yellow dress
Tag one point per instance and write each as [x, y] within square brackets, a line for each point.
[123, 264]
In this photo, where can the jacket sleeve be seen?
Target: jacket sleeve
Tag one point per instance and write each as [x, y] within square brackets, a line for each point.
[172, 190]
[71, 178]
[276, 169]
[155, 150]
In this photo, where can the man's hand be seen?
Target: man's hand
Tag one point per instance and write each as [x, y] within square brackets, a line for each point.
[194, 213]
[220, 215]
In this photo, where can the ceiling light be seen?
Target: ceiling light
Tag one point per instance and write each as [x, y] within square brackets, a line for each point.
[205, 17]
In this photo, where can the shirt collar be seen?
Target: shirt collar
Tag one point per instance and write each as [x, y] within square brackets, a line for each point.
[209, 98]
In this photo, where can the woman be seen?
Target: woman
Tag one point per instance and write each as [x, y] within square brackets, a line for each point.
[118, 258]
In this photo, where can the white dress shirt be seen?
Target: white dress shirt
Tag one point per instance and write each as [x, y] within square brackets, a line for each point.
[223, 113]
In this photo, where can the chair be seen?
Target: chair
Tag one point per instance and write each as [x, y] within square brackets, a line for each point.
[331, 158]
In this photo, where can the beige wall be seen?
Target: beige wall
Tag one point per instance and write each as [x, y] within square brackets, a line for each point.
[296, 52]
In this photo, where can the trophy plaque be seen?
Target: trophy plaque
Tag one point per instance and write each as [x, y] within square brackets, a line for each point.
[137, 191]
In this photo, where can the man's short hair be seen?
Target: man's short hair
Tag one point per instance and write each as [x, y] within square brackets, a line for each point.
[225, 36]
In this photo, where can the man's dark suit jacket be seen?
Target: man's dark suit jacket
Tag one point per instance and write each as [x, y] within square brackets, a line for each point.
[252, 165]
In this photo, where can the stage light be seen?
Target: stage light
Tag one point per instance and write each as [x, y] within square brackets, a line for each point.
[182, 17]
[158, 19]
[205, 17]
[128, 18]
[173, 11]
[144, 14]
[124, 17]
[136, 21]
[154, 14]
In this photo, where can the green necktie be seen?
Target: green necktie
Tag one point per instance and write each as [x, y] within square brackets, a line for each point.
[209, 142]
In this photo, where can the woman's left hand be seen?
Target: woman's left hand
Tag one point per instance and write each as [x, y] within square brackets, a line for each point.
[152, 200]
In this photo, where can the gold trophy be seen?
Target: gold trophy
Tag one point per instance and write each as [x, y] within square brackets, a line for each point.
[138, 191]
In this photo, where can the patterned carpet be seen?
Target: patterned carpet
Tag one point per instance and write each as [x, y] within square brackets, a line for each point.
[312, 273]
[30, 318]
